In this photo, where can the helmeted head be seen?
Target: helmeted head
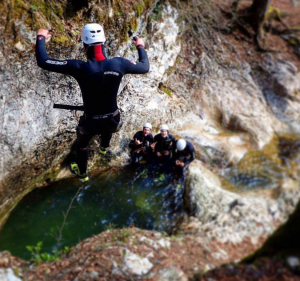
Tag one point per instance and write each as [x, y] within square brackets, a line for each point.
[164, 130]
[164, 127]
[93, 33]
[147, 128]
[147, 125]
[181, 144]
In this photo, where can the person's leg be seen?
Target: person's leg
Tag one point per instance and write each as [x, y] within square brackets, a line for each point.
[135, 158]
[82, 153]
[107, 129]
[105, 140]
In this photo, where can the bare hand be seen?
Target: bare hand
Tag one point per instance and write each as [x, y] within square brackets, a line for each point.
[138, 41]
[137, 142]
[179, 163]
[44, 32]
[153, 145]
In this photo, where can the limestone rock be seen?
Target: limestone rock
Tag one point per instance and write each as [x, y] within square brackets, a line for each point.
[7, 274]
[172, 274]
[225, 215]
[136, 264]
[19, 46]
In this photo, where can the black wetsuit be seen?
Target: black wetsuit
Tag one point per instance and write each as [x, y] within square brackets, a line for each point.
[187, 155]
[142, 149]
[162, 145]
[99, 79]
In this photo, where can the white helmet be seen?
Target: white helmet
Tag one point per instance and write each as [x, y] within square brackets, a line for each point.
[164, 127]
[147, 125]
[92, 33]
[181, 144]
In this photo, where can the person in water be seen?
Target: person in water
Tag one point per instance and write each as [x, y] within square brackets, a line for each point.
[140, 144]
[163, 145]
[183, 156]
[99, 79]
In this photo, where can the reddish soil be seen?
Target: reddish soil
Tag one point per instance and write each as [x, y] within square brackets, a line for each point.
[104, 254]
[244, 48]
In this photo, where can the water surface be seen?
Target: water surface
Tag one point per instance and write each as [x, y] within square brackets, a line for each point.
[115, 198]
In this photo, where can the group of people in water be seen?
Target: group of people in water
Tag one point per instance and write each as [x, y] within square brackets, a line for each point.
[99, 78]
[162, 149]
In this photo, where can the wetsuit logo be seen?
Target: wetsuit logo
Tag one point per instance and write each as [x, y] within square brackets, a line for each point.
[111, 72]
[56, 62]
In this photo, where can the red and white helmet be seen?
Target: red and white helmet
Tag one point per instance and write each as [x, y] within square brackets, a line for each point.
[93, 33]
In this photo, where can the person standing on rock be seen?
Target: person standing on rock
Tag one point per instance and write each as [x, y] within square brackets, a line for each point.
[99, 79]
[163, 146]
[140, 144]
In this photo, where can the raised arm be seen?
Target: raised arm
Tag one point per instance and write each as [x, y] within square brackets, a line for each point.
[140, 67]
[62, 66]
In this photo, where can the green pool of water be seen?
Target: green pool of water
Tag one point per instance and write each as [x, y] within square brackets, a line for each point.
[114, 198]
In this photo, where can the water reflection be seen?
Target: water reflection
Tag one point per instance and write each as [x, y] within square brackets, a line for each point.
[268, 168]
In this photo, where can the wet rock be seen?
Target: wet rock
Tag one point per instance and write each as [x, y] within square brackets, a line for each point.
[225, 215]
[203, 193]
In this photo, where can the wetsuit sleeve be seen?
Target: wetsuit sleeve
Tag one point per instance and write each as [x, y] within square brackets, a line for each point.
[70, 67]
[140, 67]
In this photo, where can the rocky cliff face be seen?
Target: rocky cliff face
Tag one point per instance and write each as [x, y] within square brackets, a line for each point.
[237, 115]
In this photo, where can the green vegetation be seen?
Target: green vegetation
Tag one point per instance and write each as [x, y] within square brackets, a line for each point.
[119, 235]
[156, 14]
[165, 89]
[161, 178]
[62, 40]
[139, 8]
[66, 16]
[37, 257]
[34, 8]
